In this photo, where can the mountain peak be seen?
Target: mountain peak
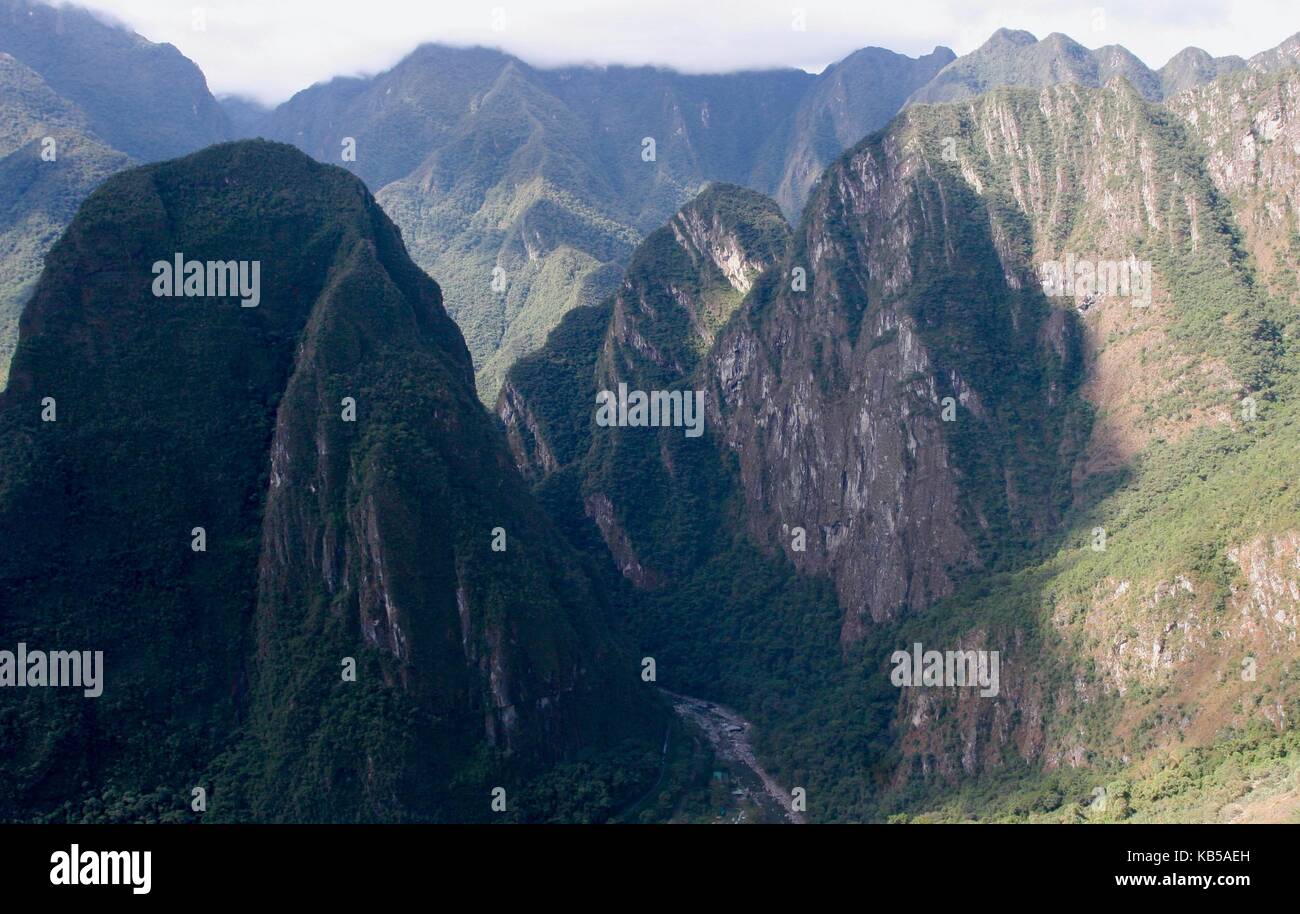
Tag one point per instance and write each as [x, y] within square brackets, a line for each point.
[1192, 67]
[351, 484]
[1064, 41]
[1017, 58]
[1190, 55]
[1286, 54]
[1005, 37]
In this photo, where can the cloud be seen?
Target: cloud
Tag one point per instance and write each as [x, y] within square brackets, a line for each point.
[268, 51]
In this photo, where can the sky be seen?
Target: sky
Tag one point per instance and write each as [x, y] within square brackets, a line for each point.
[269, 49]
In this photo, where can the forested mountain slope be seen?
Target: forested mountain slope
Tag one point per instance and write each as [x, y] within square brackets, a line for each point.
[240, 504]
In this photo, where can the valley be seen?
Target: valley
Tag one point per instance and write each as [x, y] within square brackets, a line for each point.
[727, 732]
[926, 424]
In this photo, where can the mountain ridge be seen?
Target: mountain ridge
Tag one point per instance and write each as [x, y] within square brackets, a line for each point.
[912, 435]
[528, 236]
[812, 119]
[1130, 406]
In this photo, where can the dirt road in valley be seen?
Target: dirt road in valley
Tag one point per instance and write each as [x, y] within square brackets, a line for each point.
[728, 733]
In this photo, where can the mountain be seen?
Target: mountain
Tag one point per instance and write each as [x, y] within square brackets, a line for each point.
[525, 190]
[329, 540]
[81, 99]
[1017, 58]
[542, 178]
[1282, 57]
[683, 284]
[850, 99]
[1193, 67]
[924, 444]
[146, 99]
[1249, 127]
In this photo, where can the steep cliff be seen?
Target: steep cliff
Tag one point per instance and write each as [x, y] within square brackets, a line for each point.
[851, 98]
[526, 189]
[648, 490]
[1147, 654]
[350, 489]
[905, 287]
[902, 406]
[1251, 135]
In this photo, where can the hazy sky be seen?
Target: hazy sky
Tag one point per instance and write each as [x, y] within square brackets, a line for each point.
[269, 49]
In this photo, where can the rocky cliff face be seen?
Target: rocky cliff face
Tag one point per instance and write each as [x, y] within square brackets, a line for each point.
[1136, 666]
[688, 279]
[900, 404]
[647, 490]
[1178, 630]
[359, 511]
[836, 113]
[833, 395]
[1249, 126]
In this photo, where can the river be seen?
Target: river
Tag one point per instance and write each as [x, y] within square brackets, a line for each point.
[729, 734]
